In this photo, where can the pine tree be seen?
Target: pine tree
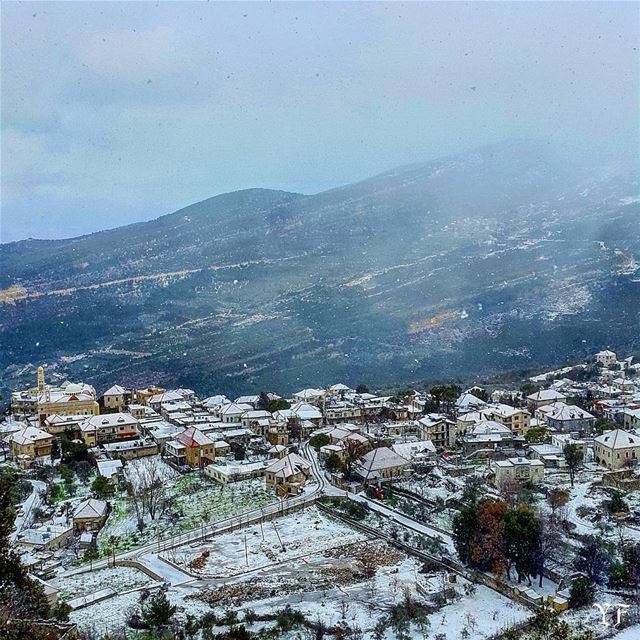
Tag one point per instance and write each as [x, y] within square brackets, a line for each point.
[156, 610]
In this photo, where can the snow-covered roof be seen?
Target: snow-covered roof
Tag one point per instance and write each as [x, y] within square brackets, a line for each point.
[550, 408]
[277, 448]
[518, 462]
[307, 394]
[109, 468]
[290, 465]
[569, 412]
[29, 435]
[472, 416]
[60, 397]
[381, 458]
[305, 411]
[411, 450]
[108, 420]
[116, 390]
[167, 396]
[256, 415]
[433, 419]
[247, 399]
[489, 427]
[618, 439]
[58, 419]
[193, 437]
[505, 410]
[216, 401]
[545, 395]
[469, 401]
[234, 409]
[90, 508]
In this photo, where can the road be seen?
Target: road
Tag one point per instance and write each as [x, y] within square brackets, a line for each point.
[393, 514]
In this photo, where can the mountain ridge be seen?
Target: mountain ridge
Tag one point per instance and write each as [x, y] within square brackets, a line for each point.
[489, 260]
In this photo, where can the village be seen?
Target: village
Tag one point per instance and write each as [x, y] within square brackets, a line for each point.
[488, 512]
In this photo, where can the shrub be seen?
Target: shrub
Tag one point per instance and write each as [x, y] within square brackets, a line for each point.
[581, 593]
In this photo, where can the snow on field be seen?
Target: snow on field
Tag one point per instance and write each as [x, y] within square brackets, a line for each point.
[323, 573]
[299, 534]
[631, 633]
[107, 615]
[193, 501]
[119, 578]
[587, 497]
[362, 604]
[482, 614]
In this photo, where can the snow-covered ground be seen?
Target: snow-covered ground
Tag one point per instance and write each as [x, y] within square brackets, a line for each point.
[362, 603]
[322, 572]
[294, 536]
[585, 507]
[119, 578]
[194, 501]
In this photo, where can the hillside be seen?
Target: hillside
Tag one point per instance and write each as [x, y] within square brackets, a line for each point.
[496, 259]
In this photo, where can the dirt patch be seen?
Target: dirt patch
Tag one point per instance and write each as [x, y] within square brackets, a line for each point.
[432, 322]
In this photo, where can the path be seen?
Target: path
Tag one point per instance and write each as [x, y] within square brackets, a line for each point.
[164, 570]
[384, 510]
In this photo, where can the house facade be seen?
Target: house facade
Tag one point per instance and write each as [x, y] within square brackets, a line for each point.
[606, 358]
[382, 465]
[288, 475]
[570, 418]
[109, 427]
[29, 445]
[90, 515]
[617, 449]
[518, 470]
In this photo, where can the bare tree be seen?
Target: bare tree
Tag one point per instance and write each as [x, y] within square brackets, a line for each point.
[573, 457]
[558, 499]
[147, 487]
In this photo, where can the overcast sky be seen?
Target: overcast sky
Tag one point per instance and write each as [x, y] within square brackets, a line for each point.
[118, 112]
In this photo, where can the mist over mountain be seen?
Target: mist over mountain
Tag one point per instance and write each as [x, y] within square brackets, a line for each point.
[501, 258]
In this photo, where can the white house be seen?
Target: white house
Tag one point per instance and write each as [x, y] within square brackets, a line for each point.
[617, 449]
[606, 358]
[544, 396]
[381, 465]
[519, 470]
[416, 452]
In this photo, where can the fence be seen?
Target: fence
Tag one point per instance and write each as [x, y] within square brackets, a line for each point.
[453, 567]
[229, 525]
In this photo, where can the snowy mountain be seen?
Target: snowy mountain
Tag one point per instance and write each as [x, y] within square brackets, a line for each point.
[497, 259]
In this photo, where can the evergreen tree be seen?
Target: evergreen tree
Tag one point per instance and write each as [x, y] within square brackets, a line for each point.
[156, 610]
[465, 525]
[521, 539]
[20, 596]
[593, 558]
[101, 487]
[581, 593]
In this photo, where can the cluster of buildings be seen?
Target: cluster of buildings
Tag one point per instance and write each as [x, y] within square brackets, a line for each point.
[383, 435]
